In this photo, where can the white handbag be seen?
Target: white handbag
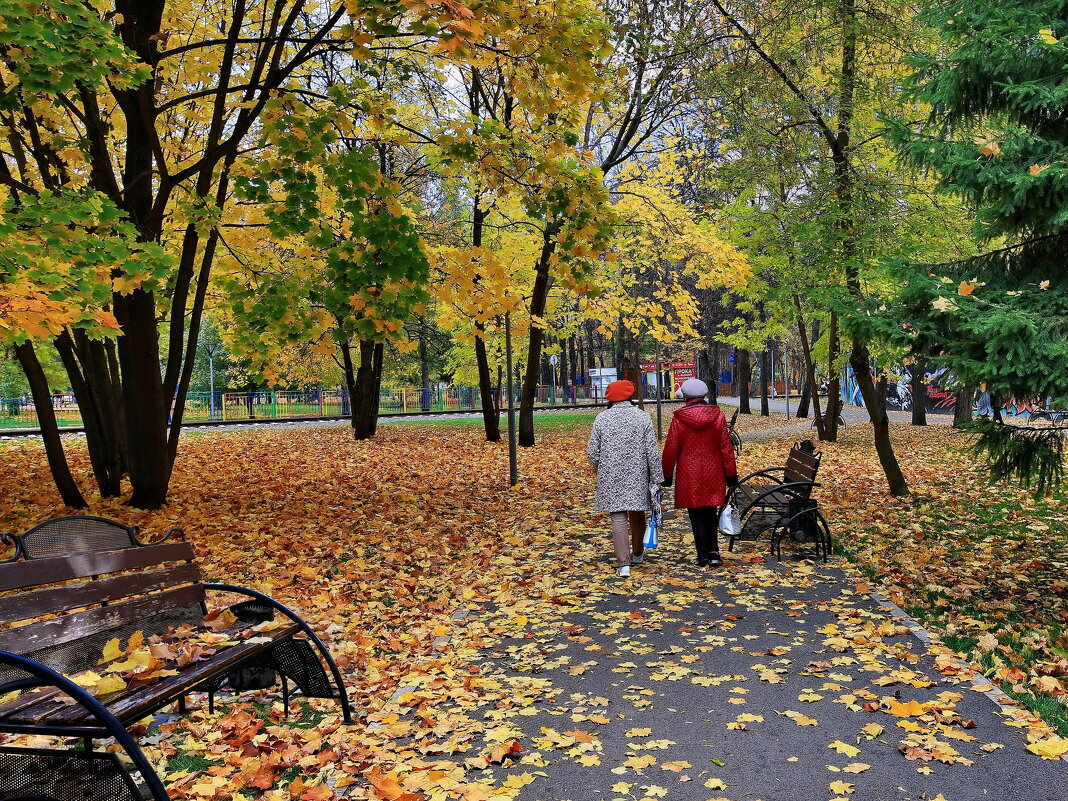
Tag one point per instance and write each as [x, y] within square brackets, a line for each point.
[729, 522]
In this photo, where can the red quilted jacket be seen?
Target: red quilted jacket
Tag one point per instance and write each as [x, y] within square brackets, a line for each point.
[698, 453]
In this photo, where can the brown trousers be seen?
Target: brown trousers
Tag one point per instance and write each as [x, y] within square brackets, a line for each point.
[628, 531]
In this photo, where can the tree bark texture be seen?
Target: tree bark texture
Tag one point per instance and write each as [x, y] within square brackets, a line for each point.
[919, 393]
[962, 410]
[741, 359]
[765, 368]
[46, 418]
[895, 479]
[538, 299]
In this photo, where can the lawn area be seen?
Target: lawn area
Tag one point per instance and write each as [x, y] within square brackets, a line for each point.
[380, 542]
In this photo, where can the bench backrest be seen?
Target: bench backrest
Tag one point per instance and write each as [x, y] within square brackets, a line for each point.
[802, 464]
[62, 607]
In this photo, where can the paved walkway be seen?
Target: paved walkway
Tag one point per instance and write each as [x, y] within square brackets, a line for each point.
[758, 681]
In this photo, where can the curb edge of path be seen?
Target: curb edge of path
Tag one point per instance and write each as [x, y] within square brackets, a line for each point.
[1008, 705]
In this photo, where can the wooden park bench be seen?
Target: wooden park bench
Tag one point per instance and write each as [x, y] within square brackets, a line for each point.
[778, 501]
[79, 586]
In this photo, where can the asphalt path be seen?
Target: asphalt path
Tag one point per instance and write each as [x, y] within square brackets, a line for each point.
[661, 671]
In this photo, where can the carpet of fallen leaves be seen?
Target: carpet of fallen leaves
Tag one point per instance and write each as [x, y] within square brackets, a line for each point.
[381, 543]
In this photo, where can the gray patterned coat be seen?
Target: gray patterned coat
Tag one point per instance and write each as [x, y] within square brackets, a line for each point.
[624, 454]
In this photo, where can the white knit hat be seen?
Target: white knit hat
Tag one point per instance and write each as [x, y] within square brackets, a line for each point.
[694, 388]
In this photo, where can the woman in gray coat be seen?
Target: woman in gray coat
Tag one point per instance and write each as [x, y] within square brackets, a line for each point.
[624, 455]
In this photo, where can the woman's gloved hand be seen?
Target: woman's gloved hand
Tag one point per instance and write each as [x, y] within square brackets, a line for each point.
[667, 482]
[732, 481]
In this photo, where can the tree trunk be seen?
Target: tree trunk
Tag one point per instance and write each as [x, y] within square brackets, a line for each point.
[962, 410]
[765, 368]
[741, 360]
[859, 361]
[834, 385]
[803, 399]
[538, 299]
[713, 384]
[348, 371]
[46, 418]
[146, 409]
[90, 370]
[919, 393]
[368, 384]
[491, 420]
[810, 368]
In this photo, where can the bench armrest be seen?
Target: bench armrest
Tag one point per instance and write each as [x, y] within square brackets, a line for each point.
[305, 628]
[177, 534]
[39, 675]
[9, 538]
[767, 472]
[796, 489]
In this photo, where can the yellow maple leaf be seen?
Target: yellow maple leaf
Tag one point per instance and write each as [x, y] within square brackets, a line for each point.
[1053, 748]
[965, 288]
[899, 710]
[844, 748]
[1046, 35]
[841, 787]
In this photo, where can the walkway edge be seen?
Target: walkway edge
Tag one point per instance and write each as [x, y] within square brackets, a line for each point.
[1008, 705]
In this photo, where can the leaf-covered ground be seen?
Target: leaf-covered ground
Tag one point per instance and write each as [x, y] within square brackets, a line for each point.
[380, 543]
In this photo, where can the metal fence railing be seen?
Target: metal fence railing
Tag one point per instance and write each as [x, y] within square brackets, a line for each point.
[18, 411]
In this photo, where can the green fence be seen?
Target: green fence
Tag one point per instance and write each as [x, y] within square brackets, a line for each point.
[18, 411]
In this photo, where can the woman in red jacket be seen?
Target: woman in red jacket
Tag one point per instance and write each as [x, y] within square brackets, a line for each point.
[700, 447]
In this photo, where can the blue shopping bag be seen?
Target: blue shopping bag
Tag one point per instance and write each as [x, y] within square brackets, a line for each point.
[656, 517]
[650, 540]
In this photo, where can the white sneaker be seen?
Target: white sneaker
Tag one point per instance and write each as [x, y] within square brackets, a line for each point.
[624, 572]
[637, 560]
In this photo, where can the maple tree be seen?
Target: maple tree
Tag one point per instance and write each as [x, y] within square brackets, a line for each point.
[151, 127]
[345, 266]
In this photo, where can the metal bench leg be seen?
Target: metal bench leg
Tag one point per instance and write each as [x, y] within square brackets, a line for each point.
[285, 695]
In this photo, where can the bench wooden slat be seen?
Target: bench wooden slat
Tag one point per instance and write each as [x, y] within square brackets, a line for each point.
[137, 700]
[57, 631]
[808, 460]
[56, 600]
[51, 569]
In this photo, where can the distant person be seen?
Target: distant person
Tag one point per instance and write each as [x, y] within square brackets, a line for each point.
[626, 460]
[699, 455]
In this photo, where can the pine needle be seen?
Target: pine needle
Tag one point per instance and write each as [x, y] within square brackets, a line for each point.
[1033, 457]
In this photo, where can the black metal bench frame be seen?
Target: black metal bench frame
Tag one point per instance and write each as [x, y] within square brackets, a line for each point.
[133, 576]
[735, 437]
[779, 500]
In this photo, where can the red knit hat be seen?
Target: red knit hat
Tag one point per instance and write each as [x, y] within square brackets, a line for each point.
[619, 391]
